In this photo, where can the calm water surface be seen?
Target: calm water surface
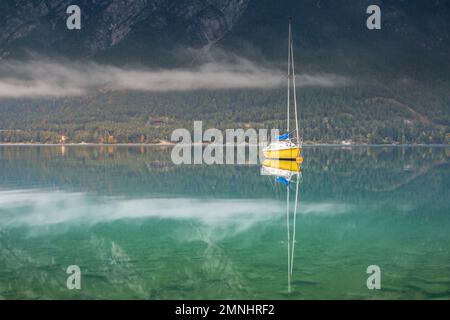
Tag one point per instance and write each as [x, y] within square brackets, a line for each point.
[140, 227]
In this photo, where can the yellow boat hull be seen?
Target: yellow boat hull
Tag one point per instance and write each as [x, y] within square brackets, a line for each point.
[292, 153]
[288, 165]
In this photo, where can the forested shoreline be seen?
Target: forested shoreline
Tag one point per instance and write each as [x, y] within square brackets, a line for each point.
[410, 114]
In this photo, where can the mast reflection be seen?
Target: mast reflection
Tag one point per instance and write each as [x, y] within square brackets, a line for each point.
[288, 173]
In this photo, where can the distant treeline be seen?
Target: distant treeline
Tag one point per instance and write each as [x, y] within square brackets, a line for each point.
[378, 114]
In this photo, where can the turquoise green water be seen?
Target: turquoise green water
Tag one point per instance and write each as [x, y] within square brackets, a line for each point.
[140, 227]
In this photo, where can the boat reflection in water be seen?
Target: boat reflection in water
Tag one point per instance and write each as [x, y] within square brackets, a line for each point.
[287, 173]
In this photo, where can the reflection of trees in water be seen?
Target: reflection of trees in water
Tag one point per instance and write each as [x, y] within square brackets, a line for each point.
[421, 171]
[25, 275]
[114, 272]
[106, 270]
[145, 171]
[212, 271]
[385, 170]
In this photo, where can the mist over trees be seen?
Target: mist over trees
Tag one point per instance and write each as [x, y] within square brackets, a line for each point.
[363, 114]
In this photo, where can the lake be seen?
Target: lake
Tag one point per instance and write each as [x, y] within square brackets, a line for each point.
[140, 227]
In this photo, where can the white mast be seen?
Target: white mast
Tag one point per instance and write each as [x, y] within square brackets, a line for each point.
[289, 74]
[288, 240]
[293, 231]
[295, 96]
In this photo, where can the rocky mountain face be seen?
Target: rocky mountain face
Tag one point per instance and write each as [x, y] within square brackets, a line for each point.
[40, 26]
[332, 35]
[396, 78]
[329, 35]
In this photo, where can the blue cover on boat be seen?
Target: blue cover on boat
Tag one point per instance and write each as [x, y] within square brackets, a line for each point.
[282, 180]
[283, 137]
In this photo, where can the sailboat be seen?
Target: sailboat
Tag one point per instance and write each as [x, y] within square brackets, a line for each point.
[287, 146]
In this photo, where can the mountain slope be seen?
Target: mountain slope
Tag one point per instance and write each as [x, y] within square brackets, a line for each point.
[397, 88]
[328, 34]
[109, 25]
